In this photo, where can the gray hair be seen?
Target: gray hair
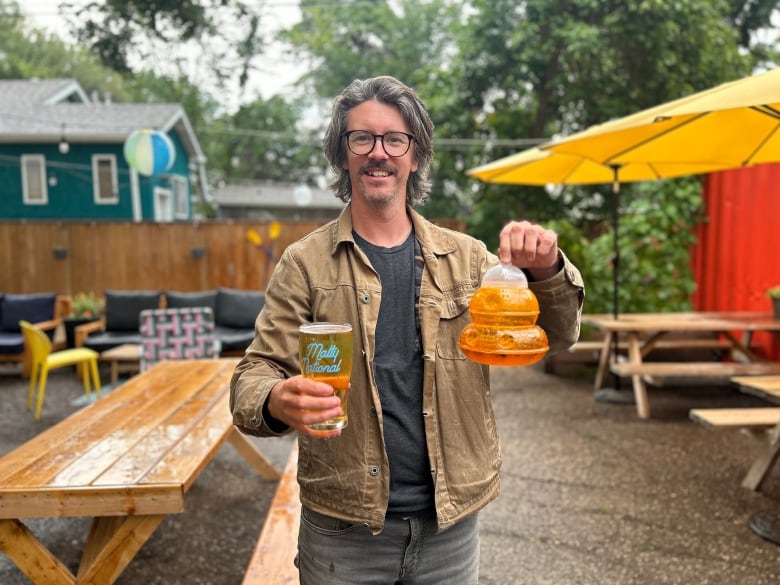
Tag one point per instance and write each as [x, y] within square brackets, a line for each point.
[390, 91]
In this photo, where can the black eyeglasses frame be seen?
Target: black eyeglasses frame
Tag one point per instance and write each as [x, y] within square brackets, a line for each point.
[381, 137]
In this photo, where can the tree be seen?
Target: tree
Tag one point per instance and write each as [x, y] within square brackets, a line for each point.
[128, 36]
[342, 41]
[263, 140]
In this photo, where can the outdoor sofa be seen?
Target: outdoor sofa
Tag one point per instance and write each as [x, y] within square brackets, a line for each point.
[44, 310]
[234, 310]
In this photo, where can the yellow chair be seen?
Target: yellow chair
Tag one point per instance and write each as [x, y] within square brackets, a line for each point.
[43, 360]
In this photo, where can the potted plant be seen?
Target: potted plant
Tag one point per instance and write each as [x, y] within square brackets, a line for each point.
[85, 307]
[773, 292]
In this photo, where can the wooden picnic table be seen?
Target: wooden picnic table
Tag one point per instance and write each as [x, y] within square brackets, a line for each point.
[126, 461]
[645, 332]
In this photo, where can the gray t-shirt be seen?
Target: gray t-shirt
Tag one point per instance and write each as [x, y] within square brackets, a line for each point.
[398, 369]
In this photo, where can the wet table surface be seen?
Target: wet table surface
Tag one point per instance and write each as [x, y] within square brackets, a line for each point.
[126, 461]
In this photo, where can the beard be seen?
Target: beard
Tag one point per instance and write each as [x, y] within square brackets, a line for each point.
[379, 196]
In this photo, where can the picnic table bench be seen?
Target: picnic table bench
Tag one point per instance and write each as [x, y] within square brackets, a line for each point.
[272, 561]
[763, 419]
[126, 461]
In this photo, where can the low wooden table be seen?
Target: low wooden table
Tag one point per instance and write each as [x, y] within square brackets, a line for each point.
[126, 461]
[124, 357]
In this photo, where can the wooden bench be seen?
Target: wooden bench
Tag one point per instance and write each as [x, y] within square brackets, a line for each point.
[589, 351]
[272, 560]
[736, 418]
[765, 420]
[696, 369]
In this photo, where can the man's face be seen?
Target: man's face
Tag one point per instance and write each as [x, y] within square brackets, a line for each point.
[377, 177]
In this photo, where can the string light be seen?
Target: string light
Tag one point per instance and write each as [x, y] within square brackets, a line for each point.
[64, 146]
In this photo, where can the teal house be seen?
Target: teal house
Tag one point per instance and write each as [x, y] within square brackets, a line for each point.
[62, 157]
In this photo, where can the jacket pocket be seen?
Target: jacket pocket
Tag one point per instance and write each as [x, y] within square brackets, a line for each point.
[453, 318]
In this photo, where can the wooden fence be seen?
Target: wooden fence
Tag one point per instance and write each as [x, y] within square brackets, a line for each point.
[70, 256]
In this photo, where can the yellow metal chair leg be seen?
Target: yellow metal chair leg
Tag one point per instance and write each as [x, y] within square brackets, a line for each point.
[31, 389]
[93, 366]
[85, 379]
[41, 390]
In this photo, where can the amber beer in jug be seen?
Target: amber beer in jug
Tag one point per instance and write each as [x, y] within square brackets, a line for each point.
[325, 351]
[504, 312]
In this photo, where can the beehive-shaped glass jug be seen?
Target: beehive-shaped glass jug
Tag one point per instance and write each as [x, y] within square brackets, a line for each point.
[503, 311]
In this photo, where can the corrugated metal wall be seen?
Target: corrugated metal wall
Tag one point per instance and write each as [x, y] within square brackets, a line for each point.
[738, 254]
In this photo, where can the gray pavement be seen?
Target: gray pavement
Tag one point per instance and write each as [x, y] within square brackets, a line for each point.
[590, 493]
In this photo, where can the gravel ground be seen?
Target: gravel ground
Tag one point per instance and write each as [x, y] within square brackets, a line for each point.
[590, 493]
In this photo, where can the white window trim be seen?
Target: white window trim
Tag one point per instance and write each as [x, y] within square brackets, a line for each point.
[25, 158]
[97, 158]
[161, 195]
[181, 193]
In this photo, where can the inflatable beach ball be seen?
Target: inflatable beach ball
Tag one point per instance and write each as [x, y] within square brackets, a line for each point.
[149, 152]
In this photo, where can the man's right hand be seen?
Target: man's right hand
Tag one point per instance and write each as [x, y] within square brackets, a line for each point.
[299, 402]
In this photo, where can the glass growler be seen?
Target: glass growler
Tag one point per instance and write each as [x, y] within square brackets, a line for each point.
[503, 311]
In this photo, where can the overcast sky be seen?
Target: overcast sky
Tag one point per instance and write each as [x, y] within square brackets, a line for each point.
[274, 72]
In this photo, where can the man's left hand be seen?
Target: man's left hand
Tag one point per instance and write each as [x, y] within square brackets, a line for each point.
[530, 246]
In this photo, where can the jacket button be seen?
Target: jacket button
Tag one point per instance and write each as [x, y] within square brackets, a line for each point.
[365, 298]
[373, 470]
[372, 412]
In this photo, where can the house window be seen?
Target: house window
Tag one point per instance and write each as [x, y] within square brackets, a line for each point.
[163, 204]
[104, 182]
[34, 188]
[181, 197]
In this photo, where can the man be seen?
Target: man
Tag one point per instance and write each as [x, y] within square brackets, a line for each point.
[393, 497]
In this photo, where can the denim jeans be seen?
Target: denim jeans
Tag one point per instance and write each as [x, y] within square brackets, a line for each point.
[407, 552]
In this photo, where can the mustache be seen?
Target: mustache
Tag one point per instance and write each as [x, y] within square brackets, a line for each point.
[378, 166]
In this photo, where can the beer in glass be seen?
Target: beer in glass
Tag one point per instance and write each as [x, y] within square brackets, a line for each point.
[325, 351]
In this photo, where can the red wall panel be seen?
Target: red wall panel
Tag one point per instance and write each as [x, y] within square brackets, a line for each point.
[737, 255]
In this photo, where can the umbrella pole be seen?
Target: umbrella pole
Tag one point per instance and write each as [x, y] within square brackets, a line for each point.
[615, 395]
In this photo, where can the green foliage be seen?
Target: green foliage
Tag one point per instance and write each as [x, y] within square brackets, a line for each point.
[655, 235]
[263, 141]
[409, 39]
[86, 306]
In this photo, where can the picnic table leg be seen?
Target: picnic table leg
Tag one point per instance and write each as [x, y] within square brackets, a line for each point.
[254, 456]
[112, 544]
[100, 533]
[31, 556]
[604, 355]
[764, 462]
[640, 390]
[601, 393]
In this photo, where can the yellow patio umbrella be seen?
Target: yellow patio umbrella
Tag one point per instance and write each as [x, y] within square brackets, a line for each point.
[731, 125]
[536, 166]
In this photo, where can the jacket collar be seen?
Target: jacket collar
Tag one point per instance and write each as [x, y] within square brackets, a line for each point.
[431, 237]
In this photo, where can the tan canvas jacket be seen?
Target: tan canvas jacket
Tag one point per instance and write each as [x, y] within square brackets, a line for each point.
[326, 277]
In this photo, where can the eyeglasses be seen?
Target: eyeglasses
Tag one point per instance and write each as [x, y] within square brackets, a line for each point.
[362, 142]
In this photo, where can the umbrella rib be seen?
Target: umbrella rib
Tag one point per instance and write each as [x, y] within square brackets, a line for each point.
[674, 128]
[758, 148]
[767, 109]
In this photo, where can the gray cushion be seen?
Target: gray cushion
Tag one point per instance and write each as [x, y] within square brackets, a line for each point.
[123, 308]
[178, 300]
[33, 307]
[238, 308]
[12, 343]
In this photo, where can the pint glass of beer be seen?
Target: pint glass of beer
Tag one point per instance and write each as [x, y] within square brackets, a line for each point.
[325, 351]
